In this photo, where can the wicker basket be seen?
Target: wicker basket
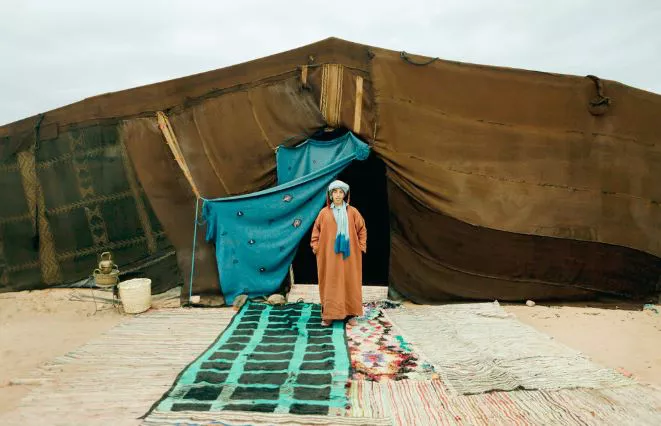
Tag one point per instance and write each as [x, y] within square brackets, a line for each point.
[135, 295]
[106, 280]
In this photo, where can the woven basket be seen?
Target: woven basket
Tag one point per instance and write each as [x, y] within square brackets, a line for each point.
[135, 295]
[105, 280]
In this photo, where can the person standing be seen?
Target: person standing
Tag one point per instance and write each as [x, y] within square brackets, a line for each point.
[339, 237]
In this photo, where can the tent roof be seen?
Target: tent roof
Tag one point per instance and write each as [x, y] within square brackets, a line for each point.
[169, 94]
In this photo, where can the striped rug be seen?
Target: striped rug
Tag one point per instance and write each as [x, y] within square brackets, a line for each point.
[115, 378]
[411, 402]
[310, 293]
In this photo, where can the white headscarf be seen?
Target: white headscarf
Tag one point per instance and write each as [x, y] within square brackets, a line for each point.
[338, 184]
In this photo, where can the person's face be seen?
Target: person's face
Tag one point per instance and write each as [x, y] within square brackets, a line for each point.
[338, 196]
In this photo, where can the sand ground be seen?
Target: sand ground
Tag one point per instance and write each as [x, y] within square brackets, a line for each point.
[620, 337]
[40, 325]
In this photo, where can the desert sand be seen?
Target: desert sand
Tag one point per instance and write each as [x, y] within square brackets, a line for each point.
[619, 336]
[38, 326]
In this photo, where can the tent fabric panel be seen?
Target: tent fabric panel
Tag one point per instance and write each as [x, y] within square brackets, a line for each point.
[410, 274]
[518, 265]
[81, 198]
[452, 105]
[171, 199]
[516, 97]
[528, 209]
[344, 93]
[229, 141]
[575, 160]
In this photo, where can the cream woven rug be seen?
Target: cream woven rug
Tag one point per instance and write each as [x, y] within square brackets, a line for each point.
[115, 378]
[478, 347]
[310, 293]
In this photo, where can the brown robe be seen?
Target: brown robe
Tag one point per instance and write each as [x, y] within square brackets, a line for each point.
[340, 280]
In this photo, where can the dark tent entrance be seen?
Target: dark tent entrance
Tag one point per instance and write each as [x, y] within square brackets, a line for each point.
[369, 195]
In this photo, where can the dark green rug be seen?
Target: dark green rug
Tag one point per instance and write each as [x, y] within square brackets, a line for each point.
[270, 359]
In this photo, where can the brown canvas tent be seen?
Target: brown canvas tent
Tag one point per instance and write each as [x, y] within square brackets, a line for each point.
[485, 182]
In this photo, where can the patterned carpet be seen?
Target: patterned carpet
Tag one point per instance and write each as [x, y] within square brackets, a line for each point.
[379, 352]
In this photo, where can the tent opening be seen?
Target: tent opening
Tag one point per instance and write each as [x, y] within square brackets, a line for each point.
[369, 195]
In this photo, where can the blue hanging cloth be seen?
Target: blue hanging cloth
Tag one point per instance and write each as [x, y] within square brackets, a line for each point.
[257, 235]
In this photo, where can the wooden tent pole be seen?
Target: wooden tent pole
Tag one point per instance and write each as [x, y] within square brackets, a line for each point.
[171, 139]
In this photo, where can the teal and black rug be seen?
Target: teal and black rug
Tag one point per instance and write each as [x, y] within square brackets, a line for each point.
[270, 359]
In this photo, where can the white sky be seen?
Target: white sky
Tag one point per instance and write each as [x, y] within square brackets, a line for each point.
[53, 53]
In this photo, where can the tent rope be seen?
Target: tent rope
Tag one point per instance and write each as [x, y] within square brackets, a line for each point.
[598, 105]
[601, 98]
[192, 266]
[37, 130]
[405, 56]
[36, 239]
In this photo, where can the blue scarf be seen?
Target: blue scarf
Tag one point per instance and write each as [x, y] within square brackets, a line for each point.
[342, 237]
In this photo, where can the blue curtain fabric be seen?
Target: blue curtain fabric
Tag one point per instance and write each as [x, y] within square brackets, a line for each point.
[256, 235]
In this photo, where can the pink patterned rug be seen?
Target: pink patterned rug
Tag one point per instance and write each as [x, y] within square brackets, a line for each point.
[378, 352]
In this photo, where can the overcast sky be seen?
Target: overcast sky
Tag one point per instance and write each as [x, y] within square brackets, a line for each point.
[53, 53]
